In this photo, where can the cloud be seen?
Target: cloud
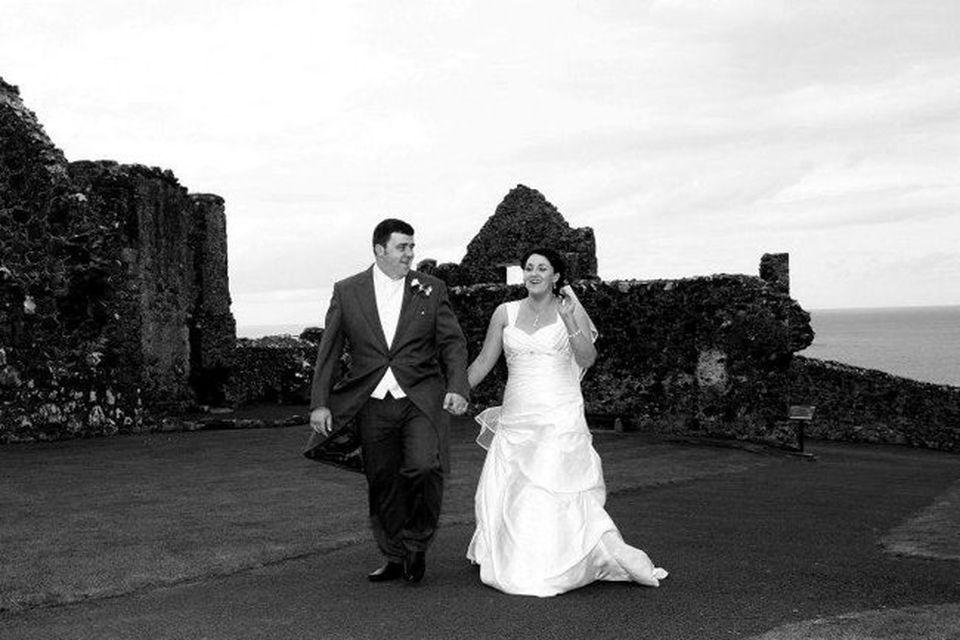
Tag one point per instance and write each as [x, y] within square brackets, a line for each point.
[693, 135]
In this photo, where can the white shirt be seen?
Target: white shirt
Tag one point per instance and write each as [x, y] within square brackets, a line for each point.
[389, 293]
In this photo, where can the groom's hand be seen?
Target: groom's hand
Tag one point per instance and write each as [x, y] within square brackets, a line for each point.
[321, 420]
[455, 403]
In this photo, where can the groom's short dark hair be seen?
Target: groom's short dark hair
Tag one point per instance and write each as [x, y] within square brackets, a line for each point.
[383, 231]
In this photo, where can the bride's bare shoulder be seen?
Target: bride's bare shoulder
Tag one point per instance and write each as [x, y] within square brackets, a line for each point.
[501, 315]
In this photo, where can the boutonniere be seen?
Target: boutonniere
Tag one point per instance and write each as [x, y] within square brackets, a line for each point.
[419, 289]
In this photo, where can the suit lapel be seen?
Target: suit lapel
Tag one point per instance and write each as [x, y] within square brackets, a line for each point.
[368, 306]
[405, 307]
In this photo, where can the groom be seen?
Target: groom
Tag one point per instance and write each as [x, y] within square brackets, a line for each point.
[408, 365]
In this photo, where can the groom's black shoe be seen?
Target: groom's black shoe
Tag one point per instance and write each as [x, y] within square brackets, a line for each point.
[414, 566]
[389, 571]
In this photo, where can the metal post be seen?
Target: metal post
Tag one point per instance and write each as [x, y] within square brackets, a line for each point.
[800, 414]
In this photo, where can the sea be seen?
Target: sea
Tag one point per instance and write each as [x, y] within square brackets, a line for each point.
[922, 343]
[261, 330]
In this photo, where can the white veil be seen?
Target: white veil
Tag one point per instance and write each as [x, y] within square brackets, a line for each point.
[568, 291]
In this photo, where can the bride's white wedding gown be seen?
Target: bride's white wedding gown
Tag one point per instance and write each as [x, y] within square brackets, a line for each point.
[541, 524]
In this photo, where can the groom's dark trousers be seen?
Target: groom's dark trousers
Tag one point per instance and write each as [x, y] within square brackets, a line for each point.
[405, 441]
[404, 478]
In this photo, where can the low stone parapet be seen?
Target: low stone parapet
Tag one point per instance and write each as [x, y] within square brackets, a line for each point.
[865, 405]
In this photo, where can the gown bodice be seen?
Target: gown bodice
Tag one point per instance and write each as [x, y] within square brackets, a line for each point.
[542, 372]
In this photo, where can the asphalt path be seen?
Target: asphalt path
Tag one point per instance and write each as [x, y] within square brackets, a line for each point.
[747, 552]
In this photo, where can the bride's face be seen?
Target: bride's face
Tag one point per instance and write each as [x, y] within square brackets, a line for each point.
[539, 275]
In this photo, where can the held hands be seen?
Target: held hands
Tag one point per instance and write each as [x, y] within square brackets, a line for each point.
[455, 404]
[321, 420]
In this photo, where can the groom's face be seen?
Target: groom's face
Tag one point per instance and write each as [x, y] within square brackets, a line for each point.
[395, 257]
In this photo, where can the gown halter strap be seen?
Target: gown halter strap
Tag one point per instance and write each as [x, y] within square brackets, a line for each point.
[513, 307]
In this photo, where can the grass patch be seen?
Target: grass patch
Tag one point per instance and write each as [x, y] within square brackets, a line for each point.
[908, 623]
[933, 533]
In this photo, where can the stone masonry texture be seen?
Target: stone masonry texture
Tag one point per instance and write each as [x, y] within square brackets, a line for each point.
[114, 301]
[525, 220]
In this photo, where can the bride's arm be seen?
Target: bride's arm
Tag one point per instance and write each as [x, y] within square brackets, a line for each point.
[492, 346]
[579, 332]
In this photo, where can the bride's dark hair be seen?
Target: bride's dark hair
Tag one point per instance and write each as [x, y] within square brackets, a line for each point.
[555, 260]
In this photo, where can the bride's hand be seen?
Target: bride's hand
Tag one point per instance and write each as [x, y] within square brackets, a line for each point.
[565, 305]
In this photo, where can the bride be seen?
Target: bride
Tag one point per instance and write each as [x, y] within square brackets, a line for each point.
[541, 526]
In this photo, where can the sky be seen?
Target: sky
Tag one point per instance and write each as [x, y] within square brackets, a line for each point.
[693, 136]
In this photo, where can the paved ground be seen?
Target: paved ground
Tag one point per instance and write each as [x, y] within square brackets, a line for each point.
[749, 551]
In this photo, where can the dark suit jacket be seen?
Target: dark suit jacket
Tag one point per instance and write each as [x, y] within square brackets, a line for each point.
[428, 355]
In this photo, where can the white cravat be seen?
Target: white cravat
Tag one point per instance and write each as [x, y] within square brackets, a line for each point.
[389, 293]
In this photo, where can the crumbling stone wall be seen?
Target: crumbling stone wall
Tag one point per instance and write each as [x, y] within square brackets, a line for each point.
[775, 271]
[275, 369]
[104, 279]
[144, 214]
[708, 355]
[212, 326]
[865, 405]
[522, 221]
[58, 376]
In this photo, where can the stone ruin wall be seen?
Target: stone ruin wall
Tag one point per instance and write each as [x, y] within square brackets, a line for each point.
[706, 356]
[713, 355]
[856, 404]
[775, 271]
[523, 220]
[113, 289]
[213, 330]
